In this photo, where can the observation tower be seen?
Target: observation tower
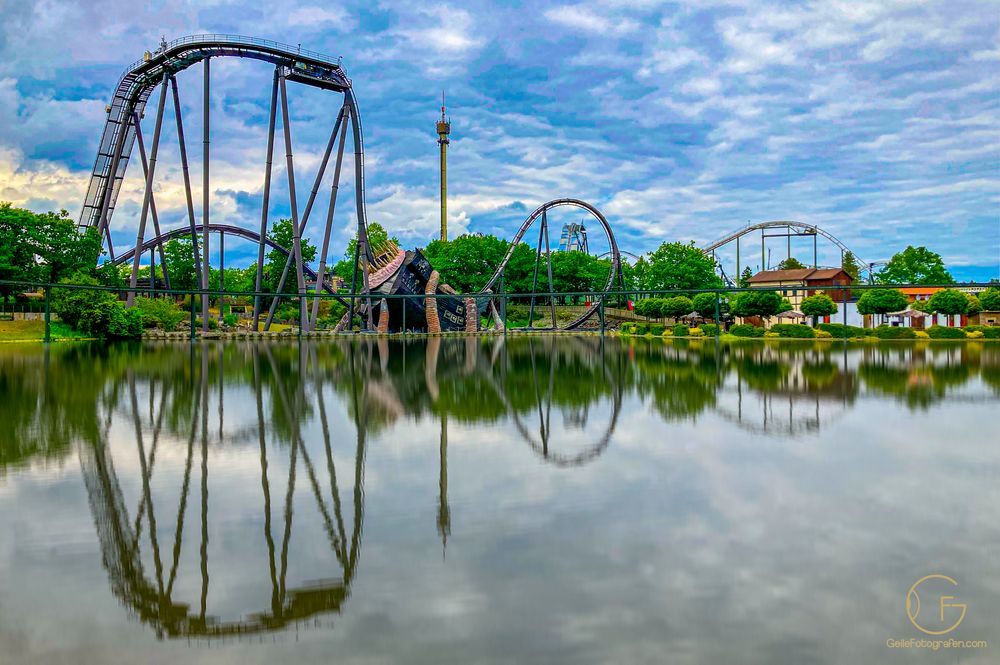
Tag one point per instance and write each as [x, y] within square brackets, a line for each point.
[443, 130]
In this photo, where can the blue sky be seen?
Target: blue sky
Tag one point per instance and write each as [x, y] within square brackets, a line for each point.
[878, 121]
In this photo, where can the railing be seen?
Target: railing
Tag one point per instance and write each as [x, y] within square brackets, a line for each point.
[237, 40]
[610, 299]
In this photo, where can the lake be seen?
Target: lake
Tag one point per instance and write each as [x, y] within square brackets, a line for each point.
[546, 499]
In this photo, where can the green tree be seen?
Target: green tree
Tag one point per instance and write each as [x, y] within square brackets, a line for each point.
[757, 303]
[282, 234]
[377, 236]
[639, 274]
[949, 302]
[818, 305]
[851, 266]
[681, 267]
[990, 299]
[882, 301]
[180, 264]
[791, 263]
[676, 307]
[744, 278]
[467, 262]
[975, 306]
[915, 265]
[704, 304]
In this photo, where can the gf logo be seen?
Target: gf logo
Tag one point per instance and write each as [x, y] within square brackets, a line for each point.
[946, 605]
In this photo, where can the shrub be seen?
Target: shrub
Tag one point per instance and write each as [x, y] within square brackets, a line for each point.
[667, 332]
[944, 332]
[793, 330]
[640, 328]
[989, 332]
[920, 334]
[974, 334]
[627, 328]
[710, 329]
[159, 312]
[229, 320]
[680, 330]
[771, 334]
[889, 332]
[696, 332]
[213, 324]
[746, 330]
[823, 334]
[657, 329]
[96, 313]
[840, 330]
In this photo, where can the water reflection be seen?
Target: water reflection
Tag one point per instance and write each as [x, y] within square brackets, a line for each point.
[301, 415]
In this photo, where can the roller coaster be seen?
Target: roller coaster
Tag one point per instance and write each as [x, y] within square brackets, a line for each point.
[791, 229]
[123, 130]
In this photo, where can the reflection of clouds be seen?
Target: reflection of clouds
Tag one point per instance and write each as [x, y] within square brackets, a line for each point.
[691, 541]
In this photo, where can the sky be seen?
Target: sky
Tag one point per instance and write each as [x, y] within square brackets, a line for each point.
[877, 121]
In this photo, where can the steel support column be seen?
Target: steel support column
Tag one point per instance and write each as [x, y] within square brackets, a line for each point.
[548, 261]
[259, 284]
[130, 297]
[205, 195]
[152, 199]
[364, 250]
[202, 280]
[321, 273]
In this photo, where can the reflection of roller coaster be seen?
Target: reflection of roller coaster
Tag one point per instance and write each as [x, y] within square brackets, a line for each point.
[120, 537]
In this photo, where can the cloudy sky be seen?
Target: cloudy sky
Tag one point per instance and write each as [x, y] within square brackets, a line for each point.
[878, 121]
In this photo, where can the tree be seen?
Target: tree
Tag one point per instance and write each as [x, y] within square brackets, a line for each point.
[180, 264]
[377, 236]
[851, 266]
[704, 304]
[44, 247]
[915, 265]
[882, 301]
[676, 307]
[975, 306]
[467, 262]
[638, 276]
[949, 302]
[791, 263]
[282, 234]
[757, 303]
[744, 279]
[990, 299]
[680, 267]
[818, 305]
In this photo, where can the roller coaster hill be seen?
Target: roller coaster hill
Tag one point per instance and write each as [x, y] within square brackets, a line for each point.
[380, 273]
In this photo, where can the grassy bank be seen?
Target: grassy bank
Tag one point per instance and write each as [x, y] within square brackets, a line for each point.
[34, 331]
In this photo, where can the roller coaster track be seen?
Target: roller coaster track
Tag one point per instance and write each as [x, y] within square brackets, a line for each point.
[224, 229]
[122, 131]
[807, 229]
[540, 213]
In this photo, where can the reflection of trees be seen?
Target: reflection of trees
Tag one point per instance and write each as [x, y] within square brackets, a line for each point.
[914, 379]
[679, 380]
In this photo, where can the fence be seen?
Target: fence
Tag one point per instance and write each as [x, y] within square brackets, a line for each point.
[605, 304]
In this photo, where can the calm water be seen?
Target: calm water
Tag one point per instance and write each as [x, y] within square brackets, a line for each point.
[544, 500]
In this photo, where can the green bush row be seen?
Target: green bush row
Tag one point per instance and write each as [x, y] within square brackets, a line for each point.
[989, 332]
[710, 329]
[840, 330]
[793, 330]
[944, 332]
[746, 330]
[890, 332]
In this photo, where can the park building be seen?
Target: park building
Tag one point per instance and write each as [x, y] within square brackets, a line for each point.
[796, 284]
